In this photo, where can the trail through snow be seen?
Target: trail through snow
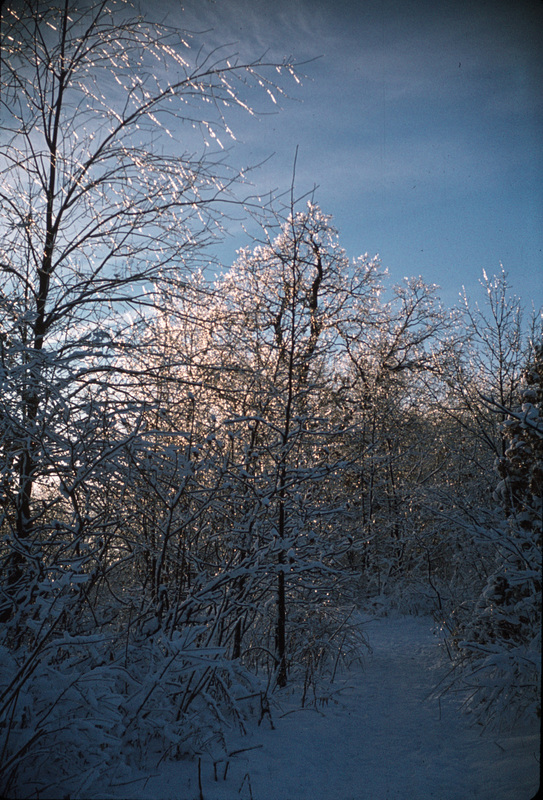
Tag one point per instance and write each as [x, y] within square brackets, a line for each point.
[383, 737]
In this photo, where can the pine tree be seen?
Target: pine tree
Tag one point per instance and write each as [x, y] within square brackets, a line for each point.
[502, 641]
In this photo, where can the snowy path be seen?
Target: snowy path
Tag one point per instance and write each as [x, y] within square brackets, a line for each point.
[384, 740]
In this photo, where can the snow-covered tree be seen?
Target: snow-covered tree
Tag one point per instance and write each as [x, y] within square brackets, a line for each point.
[500, 638]
[396, 439]
[286, 308]
[102, 210]
[111, 182]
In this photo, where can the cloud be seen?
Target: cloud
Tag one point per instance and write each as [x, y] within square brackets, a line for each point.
[424, 119]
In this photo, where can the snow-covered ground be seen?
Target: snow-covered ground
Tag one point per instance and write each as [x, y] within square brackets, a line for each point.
[385, 736]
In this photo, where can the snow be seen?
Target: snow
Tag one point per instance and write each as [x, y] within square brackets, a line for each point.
[385, 734]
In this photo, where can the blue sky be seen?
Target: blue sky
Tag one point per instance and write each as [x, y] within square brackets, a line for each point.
[420, 123]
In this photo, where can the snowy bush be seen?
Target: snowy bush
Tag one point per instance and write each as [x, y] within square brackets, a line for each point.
[327, 647]
[79, 709]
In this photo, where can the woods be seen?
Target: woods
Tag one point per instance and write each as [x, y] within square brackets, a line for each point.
[202, 476]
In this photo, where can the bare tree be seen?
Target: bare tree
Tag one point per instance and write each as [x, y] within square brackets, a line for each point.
[486, 362]
[108, 192]
[286, 306]
[112, 180]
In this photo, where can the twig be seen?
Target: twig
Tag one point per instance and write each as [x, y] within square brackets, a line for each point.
[201, 793]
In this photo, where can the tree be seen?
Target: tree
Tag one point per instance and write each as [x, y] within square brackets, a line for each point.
[396, 435]
[481, 356]
[111, 183]
[284, 311]
[103, 210]
[499, 640]
[486, 361]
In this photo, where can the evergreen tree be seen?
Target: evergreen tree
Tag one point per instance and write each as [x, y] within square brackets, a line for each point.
[502, 640]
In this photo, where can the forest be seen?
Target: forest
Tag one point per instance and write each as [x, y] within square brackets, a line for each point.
[207, 468]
